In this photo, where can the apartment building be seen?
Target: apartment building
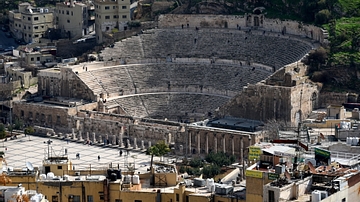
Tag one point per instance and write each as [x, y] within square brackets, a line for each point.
[110, 14]
[29, 23]
[75, 19]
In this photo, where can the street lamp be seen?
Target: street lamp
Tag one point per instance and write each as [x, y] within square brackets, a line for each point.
[48, 144]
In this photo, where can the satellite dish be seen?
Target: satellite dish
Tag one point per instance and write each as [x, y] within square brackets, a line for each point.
[29, 166]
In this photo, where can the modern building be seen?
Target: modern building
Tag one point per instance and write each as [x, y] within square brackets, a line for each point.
[75, 19]
[110, 14]
[29, 23]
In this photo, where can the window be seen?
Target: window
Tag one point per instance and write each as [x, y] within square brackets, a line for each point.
[72, 13]
[29, 27]
[36, 35]
[107, 7]
[38, 59]
[25, 35]
[15, 25]
[107, 17]
[68, 21]
[271, 196]
[343, 200]
[29, 35]
[36, 18]
[59, 11]
[62, 11]
[22, 112]
[90, 198]
[76, 198]
[59, 167]
[23, 17]
[118, 200]
[107, 28]
[32, 59]
[24, 27]
[36, 27]
[42, 27]
[123, 7]
[55, 198]
[29, 18]
[115, 16]
[124, 16]
[177, 197]
[138, 201]
[114, 7]
[67, 12]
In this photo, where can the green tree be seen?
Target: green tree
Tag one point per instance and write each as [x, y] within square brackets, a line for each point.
[159, 149]
[18, 124]
[29, 130]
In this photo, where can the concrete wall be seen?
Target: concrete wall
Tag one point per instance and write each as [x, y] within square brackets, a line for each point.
[288, 192]
[350, 194]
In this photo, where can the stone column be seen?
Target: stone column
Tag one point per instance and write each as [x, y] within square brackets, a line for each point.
[121, 143]
[189, 142]
[215, 143]
[207, 143]
[149, 144]
[93, 137]
[113, 140]
[128, 143]
[223, 143]
[232, 145]
[181, 149]
[142, 145]
[198, 143]
[135, 143]
[79, 135]
[87, 136]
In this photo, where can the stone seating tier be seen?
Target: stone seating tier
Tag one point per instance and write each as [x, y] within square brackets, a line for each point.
[268, 48]
[216, 79]
[173, 106]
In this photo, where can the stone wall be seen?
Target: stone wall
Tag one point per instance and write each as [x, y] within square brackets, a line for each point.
[234, 22]
[332, 98]
[63, 82]
[287, 97]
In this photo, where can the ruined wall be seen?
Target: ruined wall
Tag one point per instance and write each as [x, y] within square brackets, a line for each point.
[261, 102]
[63, 82]
[234, 21]
[332, 98]
[43, 114]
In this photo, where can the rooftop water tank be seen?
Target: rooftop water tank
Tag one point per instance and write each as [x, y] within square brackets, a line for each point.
[50, 175]
[113, 177]
[127, 179]
[136, 179]
[42, 176]
[66, 177]
[198, 182]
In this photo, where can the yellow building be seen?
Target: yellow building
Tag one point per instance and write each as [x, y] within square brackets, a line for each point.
[75, 19]
[29, 23]
[110, 14]
[58, 181]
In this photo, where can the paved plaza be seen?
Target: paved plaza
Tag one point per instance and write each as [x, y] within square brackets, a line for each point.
[35, 149]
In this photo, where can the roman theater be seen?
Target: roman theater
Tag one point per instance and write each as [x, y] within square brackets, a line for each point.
[171, 82]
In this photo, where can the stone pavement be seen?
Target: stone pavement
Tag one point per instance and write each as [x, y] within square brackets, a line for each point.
[34, 149]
